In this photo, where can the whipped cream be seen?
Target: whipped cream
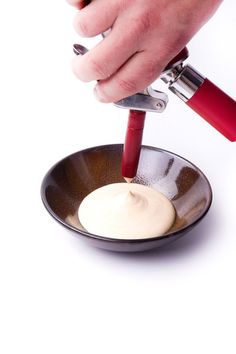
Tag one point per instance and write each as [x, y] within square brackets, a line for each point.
[126, 211]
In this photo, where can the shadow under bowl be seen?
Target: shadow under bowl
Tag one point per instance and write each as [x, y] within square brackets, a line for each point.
[71, 179]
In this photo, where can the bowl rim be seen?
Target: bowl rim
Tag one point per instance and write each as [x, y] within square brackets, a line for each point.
[122, 240]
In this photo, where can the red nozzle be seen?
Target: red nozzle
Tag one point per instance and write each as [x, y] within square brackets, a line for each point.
[133, 141]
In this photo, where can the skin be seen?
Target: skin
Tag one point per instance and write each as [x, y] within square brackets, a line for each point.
[145, 36]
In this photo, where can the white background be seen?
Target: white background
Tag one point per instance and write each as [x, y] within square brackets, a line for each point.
[58, 295]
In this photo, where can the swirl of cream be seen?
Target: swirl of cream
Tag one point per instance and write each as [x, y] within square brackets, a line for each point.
[126, 211]
[129, 199]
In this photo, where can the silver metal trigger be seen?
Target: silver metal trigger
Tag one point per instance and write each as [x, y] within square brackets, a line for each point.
[148, 100]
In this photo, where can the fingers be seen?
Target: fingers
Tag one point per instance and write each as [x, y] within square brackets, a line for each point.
[130, 58]
[108, 56]
[144, 37]
[95, 18]
[139, 72]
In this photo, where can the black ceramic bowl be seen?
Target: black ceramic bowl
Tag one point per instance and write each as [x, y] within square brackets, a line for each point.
[70, 180]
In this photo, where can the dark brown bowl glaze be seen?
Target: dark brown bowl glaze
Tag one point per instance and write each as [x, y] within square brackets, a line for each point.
[70, 180]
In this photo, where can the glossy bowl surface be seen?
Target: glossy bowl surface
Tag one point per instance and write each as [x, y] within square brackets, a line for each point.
[71, 179]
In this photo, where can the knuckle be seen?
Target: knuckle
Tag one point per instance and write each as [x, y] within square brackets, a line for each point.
[150, 70]
[139, 26]
[128, 86]
[97, 69]
[122, 5]
[81, 26]
[144, 22]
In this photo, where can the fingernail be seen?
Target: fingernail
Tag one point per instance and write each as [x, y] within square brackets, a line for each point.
[98, 94]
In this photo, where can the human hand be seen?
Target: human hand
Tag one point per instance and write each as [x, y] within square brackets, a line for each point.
[145, 36]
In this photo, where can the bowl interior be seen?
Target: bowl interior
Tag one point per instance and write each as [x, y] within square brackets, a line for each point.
[71, 179]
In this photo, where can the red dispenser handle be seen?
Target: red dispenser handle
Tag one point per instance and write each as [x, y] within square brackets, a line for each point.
[216, 107]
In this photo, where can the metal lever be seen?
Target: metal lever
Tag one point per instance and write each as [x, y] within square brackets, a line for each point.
[79, 49]
[149, 100]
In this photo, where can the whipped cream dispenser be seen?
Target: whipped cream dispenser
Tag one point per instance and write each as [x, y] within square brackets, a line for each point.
[199, 93]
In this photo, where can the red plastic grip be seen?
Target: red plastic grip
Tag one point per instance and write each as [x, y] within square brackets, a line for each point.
[216, 107]
[132, 145]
